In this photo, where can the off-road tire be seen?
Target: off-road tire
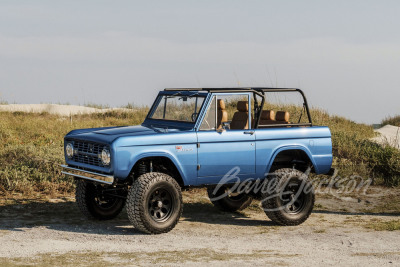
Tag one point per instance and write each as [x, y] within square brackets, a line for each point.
[228, 203]
[86, 196]
[274, 202]
[141, 200]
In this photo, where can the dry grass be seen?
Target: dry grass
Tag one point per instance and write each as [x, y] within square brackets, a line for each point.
[158, 258]
[395, 121]
[31, 149]
[392, 225]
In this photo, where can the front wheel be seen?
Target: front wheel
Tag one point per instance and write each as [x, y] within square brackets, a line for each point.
[94, 202]
[290, 198]
[154, 203]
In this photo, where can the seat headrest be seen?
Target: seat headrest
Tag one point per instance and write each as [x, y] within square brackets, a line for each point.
[282, 116]
[268, 115]
[221, 104]
[243, 106]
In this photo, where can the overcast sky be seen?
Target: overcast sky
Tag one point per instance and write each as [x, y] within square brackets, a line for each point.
[345, 55]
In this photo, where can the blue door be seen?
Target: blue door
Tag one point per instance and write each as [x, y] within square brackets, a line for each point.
[219, 153]
[225, 139]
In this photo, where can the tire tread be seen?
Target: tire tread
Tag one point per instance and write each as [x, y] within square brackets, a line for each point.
[276, 215]
[135, 210]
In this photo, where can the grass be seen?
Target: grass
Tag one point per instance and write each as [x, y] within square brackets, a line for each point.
[388, 203]
[384, 255]
[318, 206]
[355, 154]
[376, 224]
[158, 258]
[392, 120]
[31, 149]
[93, 105]
[392, 225]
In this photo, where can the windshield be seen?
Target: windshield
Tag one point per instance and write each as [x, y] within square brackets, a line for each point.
[177, 108]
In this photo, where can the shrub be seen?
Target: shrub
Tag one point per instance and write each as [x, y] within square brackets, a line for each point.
[395, 121]
[31, 148]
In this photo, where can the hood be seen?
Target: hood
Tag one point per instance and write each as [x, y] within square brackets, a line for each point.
[130, 130]
[109, 134]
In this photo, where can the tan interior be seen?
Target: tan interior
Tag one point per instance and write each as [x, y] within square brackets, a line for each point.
[240, 119]
[282, 117]
[269, 117]
[222, 114]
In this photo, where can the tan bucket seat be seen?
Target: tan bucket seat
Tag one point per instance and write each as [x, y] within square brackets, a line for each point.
[222, 114]
[267, 117]
[282, 117]
[240, 120]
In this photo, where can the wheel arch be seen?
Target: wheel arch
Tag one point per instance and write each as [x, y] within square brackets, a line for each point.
[296, 154]
[160, 162]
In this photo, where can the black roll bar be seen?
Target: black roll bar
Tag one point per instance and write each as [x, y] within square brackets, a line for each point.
[260, 91]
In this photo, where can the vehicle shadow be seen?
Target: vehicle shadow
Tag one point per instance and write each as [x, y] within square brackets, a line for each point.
[394, 214]
[207, 213]
[62, 216]
[65, 216]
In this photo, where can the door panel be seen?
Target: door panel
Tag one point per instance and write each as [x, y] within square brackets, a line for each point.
[220, 152]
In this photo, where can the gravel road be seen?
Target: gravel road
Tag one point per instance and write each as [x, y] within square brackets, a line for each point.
[52, 232]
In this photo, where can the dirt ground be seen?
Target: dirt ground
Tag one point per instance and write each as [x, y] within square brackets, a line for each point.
[353, 230]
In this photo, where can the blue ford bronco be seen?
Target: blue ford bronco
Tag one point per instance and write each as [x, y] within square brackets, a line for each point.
[239, 143]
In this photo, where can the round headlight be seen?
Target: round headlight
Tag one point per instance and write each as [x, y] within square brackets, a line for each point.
[69, 150]
[105, 156]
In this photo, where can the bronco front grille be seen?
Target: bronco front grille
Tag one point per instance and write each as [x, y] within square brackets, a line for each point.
[88, 153]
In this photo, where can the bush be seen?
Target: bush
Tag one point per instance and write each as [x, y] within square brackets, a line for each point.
[31, 148]
[370, 159]
[395, 121]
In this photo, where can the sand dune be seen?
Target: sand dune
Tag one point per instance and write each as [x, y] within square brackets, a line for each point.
[388, 134]
[61, 110]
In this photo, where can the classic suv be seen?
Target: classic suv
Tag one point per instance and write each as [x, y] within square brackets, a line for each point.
[225, 139]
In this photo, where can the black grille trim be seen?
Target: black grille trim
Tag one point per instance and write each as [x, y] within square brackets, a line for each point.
[88, 152]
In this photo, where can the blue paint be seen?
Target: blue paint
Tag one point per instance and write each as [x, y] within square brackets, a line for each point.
[216, 152]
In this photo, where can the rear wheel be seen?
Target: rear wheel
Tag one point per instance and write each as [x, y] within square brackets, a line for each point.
[228, 201]
[291, 200]
[154, 203]
[94, 202]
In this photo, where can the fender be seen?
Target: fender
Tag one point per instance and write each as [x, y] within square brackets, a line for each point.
[291, 147]
[164, 154]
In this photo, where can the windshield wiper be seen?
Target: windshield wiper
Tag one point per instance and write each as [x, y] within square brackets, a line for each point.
[158, 129]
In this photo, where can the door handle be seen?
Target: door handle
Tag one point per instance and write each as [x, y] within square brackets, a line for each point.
[249, 132]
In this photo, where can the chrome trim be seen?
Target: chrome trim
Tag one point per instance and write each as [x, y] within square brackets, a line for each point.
[92, 176]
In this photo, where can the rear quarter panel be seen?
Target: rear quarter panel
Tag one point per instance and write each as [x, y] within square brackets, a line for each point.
[314, 141]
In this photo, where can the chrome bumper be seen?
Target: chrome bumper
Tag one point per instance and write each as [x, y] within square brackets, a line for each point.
[92, 176]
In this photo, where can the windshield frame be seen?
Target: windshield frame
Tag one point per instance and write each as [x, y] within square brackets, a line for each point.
[176, 93]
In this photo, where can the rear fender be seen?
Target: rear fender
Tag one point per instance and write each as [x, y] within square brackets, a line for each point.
[287, 148]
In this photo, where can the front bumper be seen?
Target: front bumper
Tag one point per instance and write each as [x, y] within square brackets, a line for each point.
[92, 176]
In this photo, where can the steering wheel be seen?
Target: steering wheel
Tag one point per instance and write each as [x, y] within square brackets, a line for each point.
[194, 116]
